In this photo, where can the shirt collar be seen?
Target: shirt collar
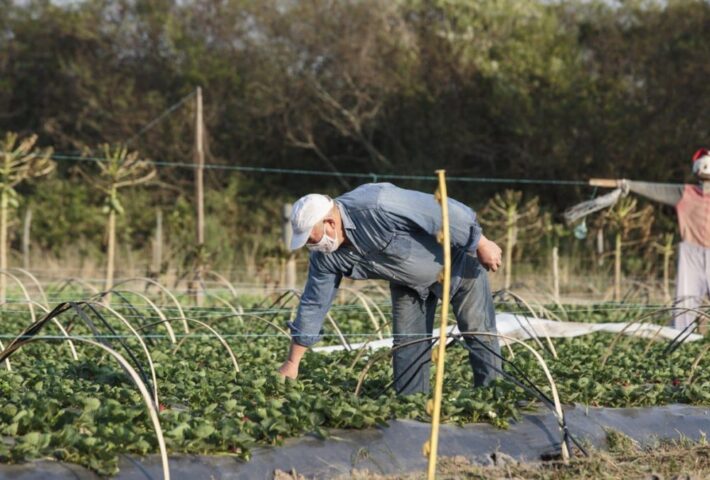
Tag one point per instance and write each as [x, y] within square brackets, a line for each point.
[347, 221]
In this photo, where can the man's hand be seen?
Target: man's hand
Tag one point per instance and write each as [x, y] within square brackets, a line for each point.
[289, 369]
[489, 254]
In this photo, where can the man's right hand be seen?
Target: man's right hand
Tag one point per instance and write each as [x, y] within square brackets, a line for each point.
[289, 369]
[489, 254]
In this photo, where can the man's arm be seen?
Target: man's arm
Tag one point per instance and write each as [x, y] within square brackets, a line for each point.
[666, 193]
[317, 297]
[409, 208]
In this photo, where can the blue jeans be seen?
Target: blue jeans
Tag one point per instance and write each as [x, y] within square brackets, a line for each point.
[413, 319]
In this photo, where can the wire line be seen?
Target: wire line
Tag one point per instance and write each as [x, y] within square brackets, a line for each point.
[322, 173]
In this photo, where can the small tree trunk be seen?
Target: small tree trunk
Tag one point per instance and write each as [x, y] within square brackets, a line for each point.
[666, 274]
[199, 197]
[617, 268]
[110, 254]
[510, 244]
[3, 243]
[290, 280]
[26, 231]
[555, 274]
[158, 243]
[600, 247]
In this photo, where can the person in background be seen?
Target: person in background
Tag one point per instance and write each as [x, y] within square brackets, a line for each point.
[380, 231]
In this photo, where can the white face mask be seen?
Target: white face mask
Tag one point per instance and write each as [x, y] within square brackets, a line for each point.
[326, 244]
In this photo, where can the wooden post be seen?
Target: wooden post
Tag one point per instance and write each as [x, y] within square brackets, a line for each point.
[199, 193]
[433, 406]
[158, 243]
[666, 276]
[556, 274]
[110, 254]
[600, 246]
[199, 170]
[26, 231]
[511, 239]
[290, 281]
[4, 207]
[617, 268]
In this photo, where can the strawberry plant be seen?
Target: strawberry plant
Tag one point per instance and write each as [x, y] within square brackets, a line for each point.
[89, 412]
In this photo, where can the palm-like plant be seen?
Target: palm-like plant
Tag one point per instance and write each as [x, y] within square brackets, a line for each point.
[117, 169]
[665, 248]
[554, 232]
[19, 161]
[623, 219]
[508, 217]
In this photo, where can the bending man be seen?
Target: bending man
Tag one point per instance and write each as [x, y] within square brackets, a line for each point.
[692, 204]
[380, 231]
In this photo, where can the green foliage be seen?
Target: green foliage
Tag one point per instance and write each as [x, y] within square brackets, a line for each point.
[89, 413]
[521, 89]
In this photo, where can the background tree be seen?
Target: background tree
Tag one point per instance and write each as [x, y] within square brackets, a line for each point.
[509, 220]
[519, 89]
[20, 161]
[554, 232]
[631, 226]
[117, 169]
[666, 248]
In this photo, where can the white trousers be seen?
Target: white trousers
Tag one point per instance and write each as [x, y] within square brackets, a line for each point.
[693, 281]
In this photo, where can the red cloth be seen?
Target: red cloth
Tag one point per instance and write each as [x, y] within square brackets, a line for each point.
[694, 216]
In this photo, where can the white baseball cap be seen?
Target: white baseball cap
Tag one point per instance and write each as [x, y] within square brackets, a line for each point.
[306, 213]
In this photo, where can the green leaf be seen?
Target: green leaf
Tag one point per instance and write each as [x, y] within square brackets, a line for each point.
[91, 404]
[204, 430]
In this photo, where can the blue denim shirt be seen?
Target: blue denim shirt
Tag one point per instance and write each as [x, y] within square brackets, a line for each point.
[392, 236]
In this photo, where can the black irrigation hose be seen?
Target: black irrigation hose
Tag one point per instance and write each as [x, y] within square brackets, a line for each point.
[85, 318]
[533, 389]
[411, 365]
[34, 329]
[538, 393]
[281, 301]
[125, 346]
[500, 295]
[155, 324]
[674, 344]
[536, 390]
[135, 312]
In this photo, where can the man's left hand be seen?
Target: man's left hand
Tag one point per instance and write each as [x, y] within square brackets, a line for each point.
[489, 254]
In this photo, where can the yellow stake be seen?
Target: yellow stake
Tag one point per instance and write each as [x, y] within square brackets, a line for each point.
[430, 447]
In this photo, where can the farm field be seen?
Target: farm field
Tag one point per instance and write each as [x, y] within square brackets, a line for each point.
[217, 391]
[179, 178]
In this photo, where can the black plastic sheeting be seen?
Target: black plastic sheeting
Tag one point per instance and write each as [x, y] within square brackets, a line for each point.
[397, 448]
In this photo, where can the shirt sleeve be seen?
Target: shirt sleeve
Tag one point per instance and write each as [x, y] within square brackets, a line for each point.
[316, 300]
[666, 193]
[410, 209]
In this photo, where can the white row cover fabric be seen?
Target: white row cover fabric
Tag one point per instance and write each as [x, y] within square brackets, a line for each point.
[522, 328]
